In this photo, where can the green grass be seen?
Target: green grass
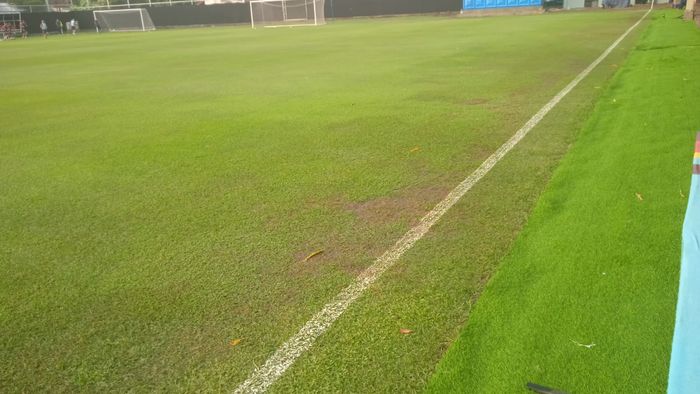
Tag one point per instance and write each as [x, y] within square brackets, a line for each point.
[160, 190]
[596, 263]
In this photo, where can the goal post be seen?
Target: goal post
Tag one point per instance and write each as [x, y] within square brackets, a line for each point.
[279, 13]
[132, 19]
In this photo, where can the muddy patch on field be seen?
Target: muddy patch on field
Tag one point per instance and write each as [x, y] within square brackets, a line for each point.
[377, 224]
[475, 101]
[403, 206]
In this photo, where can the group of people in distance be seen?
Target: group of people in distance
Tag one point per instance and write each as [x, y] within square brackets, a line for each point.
[14, 29]
[71, 26]
[680, 4]
[11, 30]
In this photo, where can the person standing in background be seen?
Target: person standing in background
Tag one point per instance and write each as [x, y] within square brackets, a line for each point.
[59, 25]
[44, 28]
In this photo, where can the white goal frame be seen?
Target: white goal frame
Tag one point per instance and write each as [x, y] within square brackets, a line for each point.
[283, 3]
[124, 11]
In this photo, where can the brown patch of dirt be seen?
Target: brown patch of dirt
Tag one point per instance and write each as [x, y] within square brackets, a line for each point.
[410, 204]
[475, 101]
[371, 235]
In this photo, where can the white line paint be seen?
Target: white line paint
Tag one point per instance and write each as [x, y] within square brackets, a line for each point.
[284, 357]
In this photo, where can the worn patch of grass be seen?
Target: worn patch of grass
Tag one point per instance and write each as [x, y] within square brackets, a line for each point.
[160, 190]
[598, 260]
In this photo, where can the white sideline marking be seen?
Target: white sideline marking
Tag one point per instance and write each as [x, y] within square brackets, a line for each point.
[261, 378]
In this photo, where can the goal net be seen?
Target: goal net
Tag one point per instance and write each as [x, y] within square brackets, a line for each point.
[133, 19]
[276, 13]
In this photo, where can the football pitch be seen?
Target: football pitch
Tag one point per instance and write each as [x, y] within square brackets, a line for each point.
[175, 205]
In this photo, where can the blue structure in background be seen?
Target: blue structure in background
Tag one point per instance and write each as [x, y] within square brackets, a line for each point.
[481, 4]
[684, 373]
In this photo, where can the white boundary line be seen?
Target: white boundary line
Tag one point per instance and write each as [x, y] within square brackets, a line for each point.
[261, 378]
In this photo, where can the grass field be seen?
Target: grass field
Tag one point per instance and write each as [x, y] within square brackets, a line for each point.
[599, 258]
[160, 192]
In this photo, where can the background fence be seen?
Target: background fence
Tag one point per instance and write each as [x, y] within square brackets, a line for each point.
[188, 14]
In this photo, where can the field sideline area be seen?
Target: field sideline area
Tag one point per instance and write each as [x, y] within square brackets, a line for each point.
[598, 262]
[176, 204]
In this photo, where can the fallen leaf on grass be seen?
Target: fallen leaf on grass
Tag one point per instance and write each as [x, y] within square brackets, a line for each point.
[416, 149]
[681, 192]
[314, 254]
[235, 342]
[639, 197]
[405, 331]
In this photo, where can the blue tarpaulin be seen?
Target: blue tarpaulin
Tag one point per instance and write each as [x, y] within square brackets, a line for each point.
[481, 4]
[684, 373]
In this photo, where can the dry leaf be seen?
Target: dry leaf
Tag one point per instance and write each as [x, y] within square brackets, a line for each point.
[416, 149]
[405, 331]
[639, 197]
[316, 253]
[235, 342]
[681, 192]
